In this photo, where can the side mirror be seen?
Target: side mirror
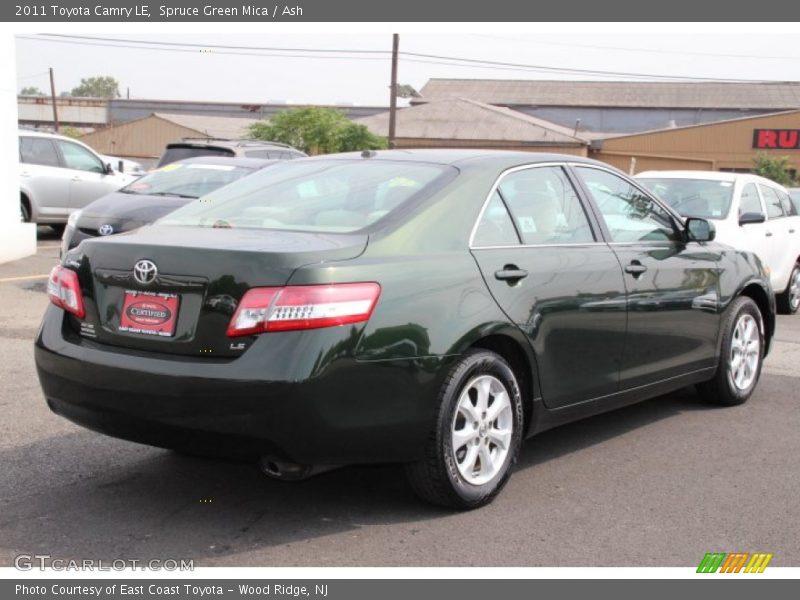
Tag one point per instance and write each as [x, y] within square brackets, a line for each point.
[751, 217]
[700, 230]
[108, 169]
[120, 167]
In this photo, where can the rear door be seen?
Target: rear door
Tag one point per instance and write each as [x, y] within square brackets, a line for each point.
[540, 256]
[43, 178]
[672, 285]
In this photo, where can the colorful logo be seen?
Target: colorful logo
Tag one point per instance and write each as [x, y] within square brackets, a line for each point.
[736, 562]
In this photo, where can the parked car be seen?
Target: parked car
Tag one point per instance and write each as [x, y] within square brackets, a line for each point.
[154, 195]
[426, 307]
[749, 212]
[192, 147]
[59, 175]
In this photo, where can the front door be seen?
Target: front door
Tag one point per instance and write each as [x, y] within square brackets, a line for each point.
[539, 255]
[672, 285]
[87, 174]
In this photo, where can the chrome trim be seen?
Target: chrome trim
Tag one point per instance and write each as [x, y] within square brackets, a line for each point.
[493, 189]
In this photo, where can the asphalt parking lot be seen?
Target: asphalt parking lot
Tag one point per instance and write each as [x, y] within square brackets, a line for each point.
[656, 484]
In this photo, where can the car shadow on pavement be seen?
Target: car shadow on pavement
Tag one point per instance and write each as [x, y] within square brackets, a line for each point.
[84, 495]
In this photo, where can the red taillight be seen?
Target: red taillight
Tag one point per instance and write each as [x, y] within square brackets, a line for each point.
[65, 291]
[303, 307]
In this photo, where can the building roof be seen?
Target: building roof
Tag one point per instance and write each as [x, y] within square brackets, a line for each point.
[463, 119]
[214, 127]
[646, 94]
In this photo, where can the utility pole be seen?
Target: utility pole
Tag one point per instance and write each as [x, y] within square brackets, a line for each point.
[393, 96]
[53, 96]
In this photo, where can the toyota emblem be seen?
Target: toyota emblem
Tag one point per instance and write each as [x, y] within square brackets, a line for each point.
[105, 229]
[145, 271]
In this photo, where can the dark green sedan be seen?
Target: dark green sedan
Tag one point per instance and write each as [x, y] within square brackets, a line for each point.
[433, 308]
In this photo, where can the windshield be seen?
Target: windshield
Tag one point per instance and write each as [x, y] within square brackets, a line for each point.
[190, 180]
[705, 198]
[312, 195]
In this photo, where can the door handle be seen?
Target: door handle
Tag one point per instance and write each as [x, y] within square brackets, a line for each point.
[769, 234]
[635, 268]
[791, 231]
[76, 178]
[25, 174]
[510, 273]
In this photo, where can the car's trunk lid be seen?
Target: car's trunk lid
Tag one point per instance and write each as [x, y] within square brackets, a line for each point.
[202, 273]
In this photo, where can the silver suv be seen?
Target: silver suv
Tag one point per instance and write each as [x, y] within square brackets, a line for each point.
[59, 175]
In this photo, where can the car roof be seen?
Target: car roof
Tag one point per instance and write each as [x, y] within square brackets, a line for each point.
[47, 134]
[461, 157]
[234, 161]
[708, 175]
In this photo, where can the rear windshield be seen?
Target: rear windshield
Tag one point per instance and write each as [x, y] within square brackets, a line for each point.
[190, 180]
[180, 152]
[705, 198]
[318, 195]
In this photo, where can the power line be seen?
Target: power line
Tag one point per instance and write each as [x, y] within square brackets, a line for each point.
[319, 53]
[629, 49]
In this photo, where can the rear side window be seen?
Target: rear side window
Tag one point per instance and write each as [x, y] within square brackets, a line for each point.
[629, 214]
[321, 195]
[772, 201]
[495, 227]
[174, 153]
[750, 202]
[38, 151]
[545, 207]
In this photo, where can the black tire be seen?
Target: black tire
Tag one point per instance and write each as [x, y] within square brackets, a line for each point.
[788, 301]
[24, 212]
[722, 389]
[436, 478]
[59, 229]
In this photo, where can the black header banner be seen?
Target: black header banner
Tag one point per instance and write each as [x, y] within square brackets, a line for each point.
[384, 11]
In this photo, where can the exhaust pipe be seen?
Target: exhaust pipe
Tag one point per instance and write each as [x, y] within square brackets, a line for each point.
[276, 468]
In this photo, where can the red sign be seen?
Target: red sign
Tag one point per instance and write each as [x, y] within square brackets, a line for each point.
[779, 139]
[149, 313]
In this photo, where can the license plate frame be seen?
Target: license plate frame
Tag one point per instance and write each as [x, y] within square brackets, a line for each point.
[149, 313]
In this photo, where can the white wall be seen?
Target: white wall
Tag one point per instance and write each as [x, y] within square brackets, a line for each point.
[16, 239]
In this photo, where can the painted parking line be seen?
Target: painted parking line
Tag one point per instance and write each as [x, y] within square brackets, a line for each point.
[24, 278]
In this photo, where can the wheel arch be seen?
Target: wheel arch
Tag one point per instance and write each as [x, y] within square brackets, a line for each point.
[25, 198]
[756, 292]
[522, 362]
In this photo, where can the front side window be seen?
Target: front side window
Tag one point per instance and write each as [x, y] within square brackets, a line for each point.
[495, 227]
[545, 207]
[629, 214]
[38, 151]
[750, 202]
[336, 196]
[772, 201]
[79, 158]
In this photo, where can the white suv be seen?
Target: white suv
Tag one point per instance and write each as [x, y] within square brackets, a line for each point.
[59, 175]
[749, 212]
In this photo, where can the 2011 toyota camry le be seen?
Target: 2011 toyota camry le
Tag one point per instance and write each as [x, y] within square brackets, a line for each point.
[431, 307]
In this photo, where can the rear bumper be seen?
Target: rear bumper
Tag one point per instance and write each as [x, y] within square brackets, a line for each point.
[348, 412]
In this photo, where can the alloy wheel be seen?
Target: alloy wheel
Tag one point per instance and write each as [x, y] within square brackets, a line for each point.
[745, 352]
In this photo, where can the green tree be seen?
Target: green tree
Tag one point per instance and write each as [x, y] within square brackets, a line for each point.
[779, 169]
[70, 132]
[316, 130]
[31, 91]
[97, 87]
